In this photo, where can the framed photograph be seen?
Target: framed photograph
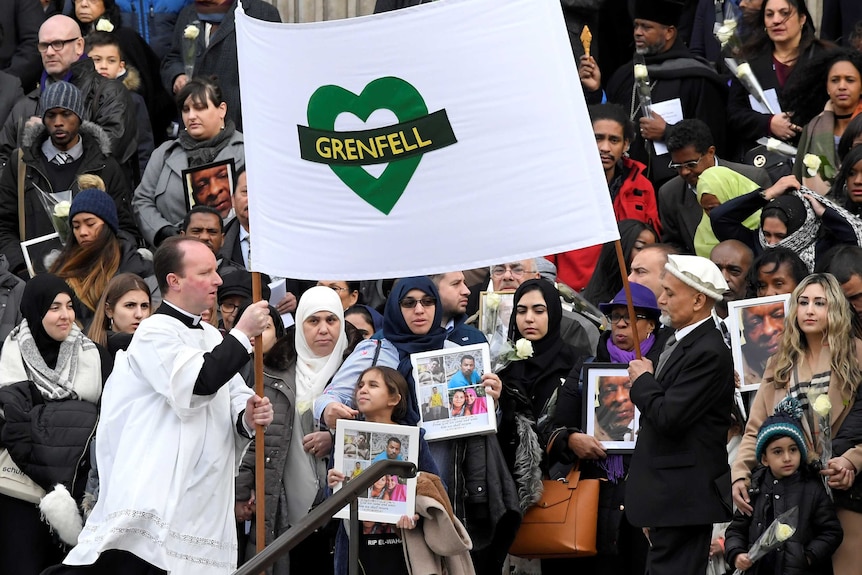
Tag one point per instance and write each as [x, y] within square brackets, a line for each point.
[210, 185]
[360, 444]
[40, 253]
[755, 327]
[452, 399]
[495, 313]
[610, 416]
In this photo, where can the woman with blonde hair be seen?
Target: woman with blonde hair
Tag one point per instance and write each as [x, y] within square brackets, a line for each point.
[817, 356]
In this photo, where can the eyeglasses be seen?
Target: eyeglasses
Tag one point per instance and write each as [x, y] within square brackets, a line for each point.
[410, 302]
[57, 45]
[617, 317]
[228, 307]
[337, 288]
[689, 165]
[516, 270]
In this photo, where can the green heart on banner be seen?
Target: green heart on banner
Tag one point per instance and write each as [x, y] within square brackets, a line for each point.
[389, 93]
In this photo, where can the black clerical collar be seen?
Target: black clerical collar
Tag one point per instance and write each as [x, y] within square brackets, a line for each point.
[187, 319]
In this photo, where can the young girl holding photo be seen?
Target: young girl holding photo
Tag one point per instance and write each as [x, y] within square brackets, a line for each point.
[381, 397]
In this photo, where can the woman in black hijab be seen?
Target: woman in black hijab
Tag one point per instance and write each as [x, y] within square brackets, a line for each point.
[798, 219]
[529, 384]
[51, 378]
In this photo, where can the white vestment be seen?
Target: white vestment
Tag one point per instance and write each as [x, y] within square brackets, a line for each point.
[167, 458]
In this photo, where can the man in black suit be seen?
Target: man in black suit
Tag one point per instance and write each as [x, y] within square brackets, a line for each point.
[679, 479]
[692, 152]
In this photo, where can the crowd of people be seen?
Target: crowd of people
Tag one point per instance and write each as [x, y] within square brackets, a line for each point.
[127, 317]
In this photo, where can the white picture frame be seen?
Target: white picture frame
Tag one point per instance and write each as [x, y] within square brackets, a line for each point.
[755, 319]
[386, 506]
[466, 407]
[624, 438]
[36, 249]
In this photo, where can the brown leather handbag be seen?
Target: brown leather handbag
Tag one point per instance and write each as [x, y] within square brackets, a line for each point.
[562, 524]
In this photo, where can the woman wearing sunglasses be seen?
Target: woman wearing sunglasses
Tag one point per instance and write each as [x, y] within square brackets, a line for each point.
[411, 324]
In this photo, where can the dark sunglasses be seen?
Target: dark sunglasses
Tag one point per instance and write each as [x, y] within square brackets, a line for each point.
[410, 302]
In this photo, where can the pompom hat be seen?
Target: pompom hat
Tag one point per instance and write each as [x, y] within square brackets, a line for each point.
[783, 423]
[98, 203]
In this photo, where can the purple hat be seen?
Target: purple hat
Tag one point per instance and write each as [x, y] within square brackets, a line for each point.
[642, 299]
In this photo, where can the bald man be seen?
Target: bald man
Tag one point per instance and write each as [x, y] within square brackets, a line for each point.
[734, 259]
[106, 101]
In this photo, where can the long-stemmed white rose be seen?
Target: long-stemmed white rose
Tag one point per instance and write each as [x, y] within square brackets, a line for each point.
[190, 41]
[641, 74]
[777, 533]
[746, 77]
[823, 410]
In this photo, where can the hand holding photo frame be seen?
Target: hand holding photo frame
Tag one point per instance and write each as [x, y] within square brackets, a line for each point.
[756, 326]
[610, 415]
[358, 445]
[41, 252]
[210, 185]
[452, 399]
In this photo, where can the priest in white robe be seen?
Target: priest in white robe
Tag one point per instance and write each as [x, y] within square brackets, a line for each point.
[175, 420]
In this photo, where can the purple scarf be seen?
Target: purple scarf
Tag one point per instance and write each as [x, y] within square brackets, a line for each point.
[622, 356]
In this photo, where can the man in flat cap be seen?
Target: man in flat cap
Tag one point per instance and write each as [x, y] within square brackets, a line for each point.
[679, 479]
[674, 73]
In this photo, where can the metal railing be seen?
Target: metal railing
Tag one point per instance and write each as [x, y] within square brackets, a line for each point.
[321, 514]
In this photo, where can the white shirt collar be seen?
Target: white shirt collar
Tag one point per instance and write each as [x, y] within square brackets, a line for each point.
[684, 331]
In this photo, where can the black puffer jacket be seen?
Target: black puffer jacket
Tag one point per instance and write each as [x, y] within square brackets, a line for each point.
[48, 440]
[818, 533]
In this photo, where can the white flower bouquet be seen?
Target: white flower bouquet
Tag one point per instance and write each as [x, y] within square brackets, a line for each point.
[777, 533]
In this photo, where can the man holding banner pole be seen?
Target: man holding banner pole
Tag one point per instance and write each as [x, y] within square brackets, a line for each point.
[174, 421]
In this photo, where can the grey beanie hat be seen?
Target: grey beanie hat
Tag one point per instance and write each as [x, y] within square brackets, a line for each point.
[62, 95]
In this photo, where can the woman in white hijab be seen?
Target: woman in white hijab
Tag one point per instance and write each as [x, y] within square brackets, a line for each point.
[296, 370]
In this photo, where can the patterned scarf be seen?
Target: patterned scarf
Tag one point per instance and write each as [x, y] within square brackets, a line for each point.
[204, 152]
[803, 241]
[54, 384]
[818, 385]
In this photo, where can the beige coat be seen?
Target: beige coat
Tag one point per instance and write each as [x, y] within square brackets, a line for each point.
[440, 544]
[768, 396]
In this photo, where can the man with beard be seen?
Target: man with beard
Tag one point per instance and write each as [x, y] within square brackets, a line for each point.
[734, 259]
[762, 326]
[454, 296]
[615, 411]
[675, 74]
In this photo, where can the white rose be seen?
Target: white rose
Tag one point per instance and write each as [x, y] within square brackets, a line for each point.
[303, 406]
[743, 70]
[61, 210]
[641, 72]
[726, 31]
[773, 144]
[822, 406]
[812, 162]
[524, 348]
[492, 300]
[104, 25]
[191, 32]
[784, 532]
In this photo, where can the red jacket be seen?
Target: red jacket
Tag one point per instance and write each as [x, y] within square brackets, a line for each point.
[635, 200]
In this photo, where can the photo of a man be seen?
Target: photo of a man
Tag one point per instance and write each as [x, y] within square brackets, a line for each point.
[466, 375]
[392, 451]
[211, 185]
[615, 411]
[762, 327]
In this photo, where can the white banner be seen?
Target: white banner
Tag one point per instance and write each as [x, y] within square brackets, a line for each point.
[443, 137]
